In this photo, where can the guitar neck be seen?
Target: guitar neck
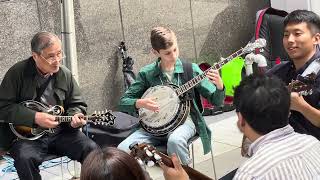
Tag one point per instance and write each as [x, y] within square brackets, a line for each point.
[196, 80]
[193, 174]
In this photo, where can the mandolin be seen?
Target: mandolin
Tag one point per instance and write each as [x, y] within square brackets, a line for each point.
[33, 133]
[303, 85]
[145, 153]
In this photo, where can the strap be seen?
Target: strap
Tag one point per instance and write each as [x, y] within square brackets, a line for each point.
[42, 88]
[314, 67]
[187, 69]
[188, 75]
[259, 22]
[267, 10]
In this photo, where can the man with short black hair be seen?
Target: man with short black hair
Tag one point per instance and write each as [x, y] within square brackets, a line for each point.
[277, 152]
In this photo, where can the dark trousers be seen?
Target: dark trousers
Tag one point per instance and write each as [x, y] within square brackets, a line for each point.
[28, 155]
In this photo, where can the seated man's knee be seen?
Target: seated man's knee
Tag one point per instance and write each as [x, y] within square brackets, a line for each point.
[87, 148]
[124, 146]
[91, 145]
[23, 159]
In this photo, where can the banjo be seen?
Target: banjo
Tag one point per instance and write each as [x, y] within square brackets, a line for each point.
[173, 109]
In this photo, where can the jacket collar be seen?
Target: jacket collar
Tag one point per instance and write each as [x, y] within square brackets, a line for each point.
[59, 77]
[31, 67]
[177, 68]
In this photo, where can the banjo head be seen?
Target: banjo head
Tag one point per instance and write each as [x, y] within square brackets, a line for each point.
[169, 103]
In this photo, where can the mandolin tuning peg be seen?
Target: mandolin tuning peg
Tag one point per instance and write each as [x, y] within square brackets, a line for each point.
[148, 153]
[150, 163]
[157, 157]
[140, 162]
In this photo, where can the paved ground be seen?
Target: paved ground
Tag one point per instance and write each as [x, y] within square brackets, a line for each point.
[226, 148]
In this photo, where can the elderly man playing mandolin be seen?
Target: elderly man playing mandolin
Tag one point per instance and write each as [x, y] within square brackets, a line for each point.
[167, 108]
[42, 81]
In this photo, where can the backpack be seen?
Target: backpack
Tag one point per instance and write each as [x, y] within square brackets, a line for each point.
[269, 25]
[113, 135]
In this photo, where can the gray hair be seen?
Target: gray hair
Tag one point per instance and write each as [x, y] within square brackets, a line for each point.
[42, 40]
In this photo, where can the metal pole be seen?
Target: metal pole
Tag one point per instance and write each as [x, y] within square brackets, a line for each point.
[70, 48]
[69, 37]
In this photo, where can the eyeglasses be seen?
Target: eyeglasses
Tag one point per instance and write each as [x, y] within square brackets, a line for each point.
[52, 58]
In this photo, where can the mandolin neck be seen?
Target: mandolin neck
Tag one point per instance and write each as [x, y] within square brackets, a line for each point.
[61, 119]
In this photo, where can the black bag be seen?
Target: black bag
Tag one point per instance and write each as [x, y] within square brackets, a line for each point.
[123, 126]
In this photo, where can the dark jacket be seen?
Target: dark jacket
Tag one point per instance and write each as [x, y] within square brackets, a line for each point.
[287, 72]
[19, 84]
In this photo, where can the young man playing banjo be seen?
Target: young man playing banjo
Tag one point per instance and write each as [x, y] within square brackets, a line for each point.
[169, 69]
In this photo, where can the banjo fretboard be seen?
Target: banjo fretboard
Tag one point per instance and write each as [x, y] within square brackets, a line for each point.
[196, 80]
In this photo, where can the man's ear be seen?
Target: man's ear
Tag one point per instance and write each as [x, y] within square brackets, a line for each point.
[35, 56]
[317, 38]
[241, 120]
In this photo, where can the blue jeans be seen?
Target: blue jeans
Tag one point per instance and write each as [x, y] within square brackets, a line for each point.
[177, 140]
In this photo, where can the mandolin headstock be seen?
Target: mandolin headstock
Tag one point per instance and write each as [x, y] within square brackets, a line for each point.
[303, 85]
[105, 118]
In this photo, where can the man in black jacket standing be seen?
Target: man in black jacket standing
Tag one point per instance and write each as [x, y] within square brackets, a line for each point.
[42, 78]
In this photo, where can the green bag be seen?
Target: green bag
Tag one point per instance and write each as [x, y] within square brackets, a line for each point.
[231, 74]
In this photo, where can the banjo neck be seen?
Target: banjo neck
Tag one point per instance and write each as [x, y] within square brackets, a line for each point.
[196, 80]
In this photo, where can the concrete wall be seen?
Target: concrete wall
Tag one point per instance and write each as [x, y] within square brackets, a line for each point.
[206, 31]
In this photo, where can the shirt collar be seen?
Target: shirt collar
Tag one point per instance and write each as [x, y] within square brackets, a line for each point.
[178, 67]
[271, 136]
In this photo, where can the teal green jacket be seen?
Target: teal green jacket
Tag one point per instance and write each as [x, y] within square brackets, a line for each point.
[19, 85]
[150, 76]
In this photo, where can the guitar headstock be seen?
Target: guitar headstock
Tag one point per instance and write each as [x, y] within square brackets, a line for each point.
[105, 118]
[303, 86]
[250, 47]
[146, 154]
